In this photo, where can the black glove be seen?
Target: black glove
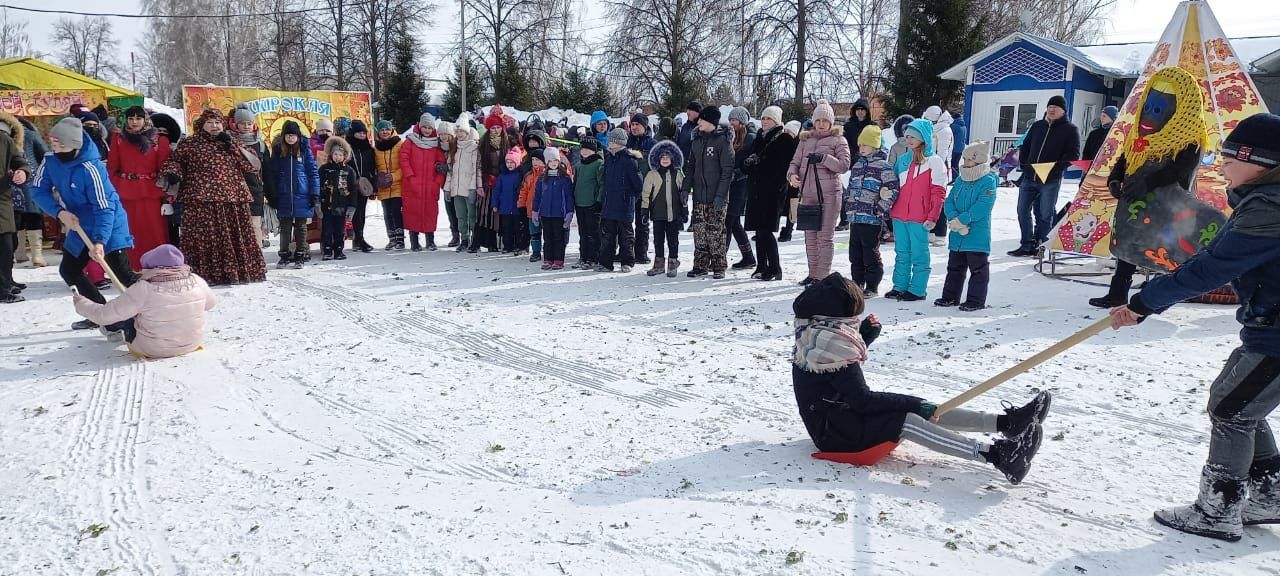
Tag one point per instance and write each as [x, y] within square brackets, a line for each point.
[751, 161]
[224, 137]
[815, 157]
[1116, 188]
[868, 331]
[442, 168]
[172, 179]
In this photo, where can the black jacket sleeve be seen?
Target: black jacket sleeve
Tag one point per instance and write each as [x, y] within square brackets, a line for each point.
[862, 400]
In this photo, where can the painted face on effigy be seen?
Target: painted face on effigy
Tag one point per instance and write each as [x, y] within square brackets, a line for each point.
[1156, 112]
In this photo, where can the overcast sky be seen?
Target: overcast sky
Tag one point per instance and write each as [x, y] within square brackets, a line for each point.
[1131, 21]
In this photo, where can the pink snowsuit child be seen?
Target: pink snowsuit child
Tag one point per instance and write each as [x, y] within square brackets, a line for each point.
[163, 315]
[922, 188]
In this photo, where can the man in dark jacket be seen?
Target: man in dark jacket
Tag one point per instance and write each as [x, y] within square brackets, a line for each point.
[1051, 140]
[708, 173]
[622, 187]
[685, 138]
[639, 142]
[1240, 483]
[1093, 143]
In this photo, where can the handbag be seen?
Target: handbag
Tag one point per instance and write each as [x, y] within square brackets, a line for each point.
[366, 187]
[809, 216]
[385, 180]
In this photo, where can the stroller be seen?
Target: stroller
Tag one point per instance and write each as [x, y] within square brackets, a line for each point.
[1007, 164]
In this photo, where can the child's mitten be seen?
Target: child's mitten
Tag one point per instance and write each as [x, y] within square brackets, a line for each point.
[926, 410]
[869, 331]
[886, 194]
[568, 220]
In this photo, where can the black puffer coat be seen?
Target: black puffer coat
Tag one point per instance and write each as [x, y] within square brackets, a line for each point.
[767, 180]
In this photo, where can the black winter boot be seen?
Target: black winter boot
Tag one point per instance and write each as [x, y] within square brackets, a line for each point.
[413, 242]
[299, 258]
[1013, 456]
[748, 260]
[1016, 420]
[1216, 513]
[431, 242]
[455, 241]
[1263, 505]
[286, 259]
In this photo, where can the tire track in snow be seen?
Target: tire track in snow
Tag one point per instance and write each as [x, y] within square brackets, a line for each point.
[493, 349]
[105, 453]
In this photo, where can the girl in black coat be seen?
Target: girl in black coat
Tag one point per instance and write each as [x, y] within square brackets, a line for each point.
[842, 414]
[767, 189]
[363, 161]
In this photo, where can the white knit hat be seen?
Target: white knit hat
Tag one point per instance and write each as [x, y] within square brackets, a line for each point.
[823, 111]
[773, 112]
[793, 127]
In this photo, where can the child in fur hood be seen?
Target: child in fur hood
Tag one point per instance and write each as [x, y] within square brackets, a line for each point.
[163, 314]
[842, 414]
[338, 190]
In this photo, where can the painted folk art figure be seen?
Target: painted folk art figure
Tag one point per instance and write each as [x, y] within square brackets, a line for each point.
[1159, 221]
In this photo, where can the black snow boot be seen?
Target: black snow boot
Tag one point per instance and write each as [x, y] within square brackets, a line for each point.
[1216, 513]
[748, 260]
[455, 241]
[286, 259]
[299, 258]
[431, 242]
[1263, 505]
[785, 234]
[1016, 420]
[1013, 456]
[83, 325]
[414, 245]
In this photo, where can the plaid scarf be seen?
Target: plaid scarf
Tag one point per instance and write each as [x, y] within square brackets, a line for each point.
[173, 279]
[827, 344]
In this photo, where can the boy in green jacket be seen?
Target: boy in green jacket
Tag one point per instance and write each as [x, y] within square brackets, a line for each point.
[588, 193]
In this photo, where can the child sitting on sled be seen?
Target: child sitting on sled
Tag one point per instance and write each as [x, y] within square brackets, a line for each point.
[843, 415]
[164, 312]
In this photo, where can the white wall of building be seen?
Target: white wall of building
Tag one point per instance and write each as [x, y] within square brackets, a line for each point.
[984, 116]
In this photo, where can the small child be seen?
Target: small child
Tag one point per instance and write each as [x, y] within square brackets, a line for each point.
[665, 199]
[163, 314]
[842, 414]
[553, 208]
[588, 193]
[337, 197]
[531, 235]
[622, 188]
[922, 187]
[969, 204]
[873, 186]
[506, 194]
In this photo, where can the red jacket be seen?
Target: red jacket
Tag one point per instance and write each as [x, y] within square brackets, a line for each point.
[922, 188]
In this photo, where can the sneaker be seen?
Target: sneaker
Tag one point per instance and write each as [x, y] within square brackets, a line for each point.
[1013, 456]
[399, 245]
[284, 262]
[339, 255]
[297, 263]
[1022, 252]
[535, 257]
[625, 269]
[83, 325]
[112, 335]
[697, 273]
[909, 297]
[391, 245]
[717, 275]
[11, 298]
[1017, 420]
[966, 307]
[807, 281]
[893, 294]
[945, 303]
[327, 255]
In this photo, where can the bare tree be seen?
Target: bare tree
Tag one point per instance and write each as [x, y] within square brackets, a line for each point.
[1068, 21]
[14, 41]
[87, 46]
[812, 43]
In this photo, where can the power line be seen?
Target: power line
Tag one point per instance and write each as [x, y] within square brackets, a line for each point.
[176, 16]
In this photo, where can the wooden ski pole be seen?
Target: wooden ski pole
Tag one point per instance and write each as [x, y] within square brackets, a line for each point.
[88, 245]
[1062, 346]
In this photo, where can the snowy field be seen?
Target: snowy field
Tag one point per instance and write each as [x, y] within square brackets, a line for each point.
[443, 413]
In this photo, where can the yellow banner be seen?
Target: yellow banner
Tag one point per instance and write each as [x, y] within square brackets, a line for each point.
[273, 108]
[30, 103]
[1042, 170]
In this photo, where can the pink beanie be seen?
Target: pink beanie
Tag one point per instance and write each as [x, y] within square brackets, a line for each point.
[514, 155]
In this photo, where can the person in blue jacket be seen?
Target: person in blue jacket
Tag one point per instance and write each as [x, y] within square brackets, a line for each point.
[553, 209]
[297, 193]
[1240, 482]
[600, 127]
[968, 206]
[506, 194]
[622, 186]
[959, 139]
[85, 198]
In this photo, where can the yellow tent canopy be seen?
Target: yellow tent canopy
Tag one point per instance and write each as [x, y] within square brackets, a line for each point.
[34, 74]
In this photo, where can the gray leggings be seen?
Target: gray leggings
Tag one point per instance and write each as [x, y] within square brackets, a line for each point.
[942, 437]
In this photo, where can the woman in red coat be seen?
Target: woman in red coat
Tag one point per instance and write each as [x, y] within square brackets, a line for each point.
[423, 169]
[134, 169]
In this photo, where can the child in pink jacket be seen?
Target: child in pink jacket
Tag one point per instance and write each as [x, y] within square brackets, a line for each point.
[922, 188]
[164, 312]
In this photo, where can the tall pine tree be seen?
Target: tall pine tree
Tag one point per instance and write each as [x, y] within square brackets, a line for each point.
[476, 87]
[601, 96]
[574, 93]
[932, 36]
[510, 85]
[403, 100]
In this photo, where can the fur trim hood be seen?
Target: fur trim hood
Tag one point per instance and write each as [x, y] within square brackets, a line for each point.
[666, 147]
[16, 131]
[338, 142]
[836, 130]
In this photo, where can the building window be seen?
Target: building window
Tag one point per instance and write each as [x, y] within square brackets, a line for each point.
[1014, 118]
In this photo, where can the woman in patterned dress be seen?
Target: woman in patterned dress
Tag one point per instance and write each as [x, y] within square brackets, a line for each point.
[217, 227]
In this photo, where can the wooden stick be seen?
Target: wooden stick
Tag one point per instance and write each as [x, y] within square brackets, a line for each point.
[88, 245]
[1029, 363]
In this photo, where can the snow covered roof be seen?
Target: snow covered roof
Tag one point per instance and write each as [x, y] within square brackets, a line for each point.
[1128, 58]
[1123, 60]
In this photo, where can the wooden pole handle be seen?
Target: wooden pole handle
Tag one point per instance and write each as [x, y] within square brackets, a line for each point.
[1062, 346]
[88, 245]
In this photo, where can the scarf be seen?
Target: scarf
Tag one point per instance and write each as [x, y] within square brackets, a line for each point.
[249, 138]
[973, 173]
[424, 142]
[389, 143]
[174, 279]
[144, 140]
[827, 344]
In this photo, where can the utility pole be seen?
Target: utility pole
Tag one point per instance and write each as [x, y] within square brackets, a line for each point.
[462, 46]
[226, 23]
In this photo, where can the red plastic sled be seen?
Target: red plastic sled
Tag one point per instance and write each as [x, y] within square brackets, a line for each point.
[867, 457]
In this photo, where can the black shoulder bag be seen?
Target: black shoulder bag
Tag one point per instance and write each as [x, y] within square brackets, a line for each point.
[809, 217]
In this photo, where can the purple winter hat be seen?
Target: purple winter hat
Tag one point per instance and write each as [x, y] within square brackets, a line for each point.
[163, 256]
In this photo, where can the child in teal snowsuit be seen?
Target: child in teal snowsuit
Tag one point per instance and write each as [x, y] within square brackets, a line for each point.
[922, 181]
[969, 205]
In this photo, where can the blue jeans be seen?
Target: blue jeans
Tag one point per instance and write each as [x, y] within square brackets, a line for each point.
[1042, 201]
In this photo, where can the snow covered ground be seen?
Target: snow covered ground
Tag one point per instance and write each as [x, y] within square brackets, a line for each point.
[444, 413]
